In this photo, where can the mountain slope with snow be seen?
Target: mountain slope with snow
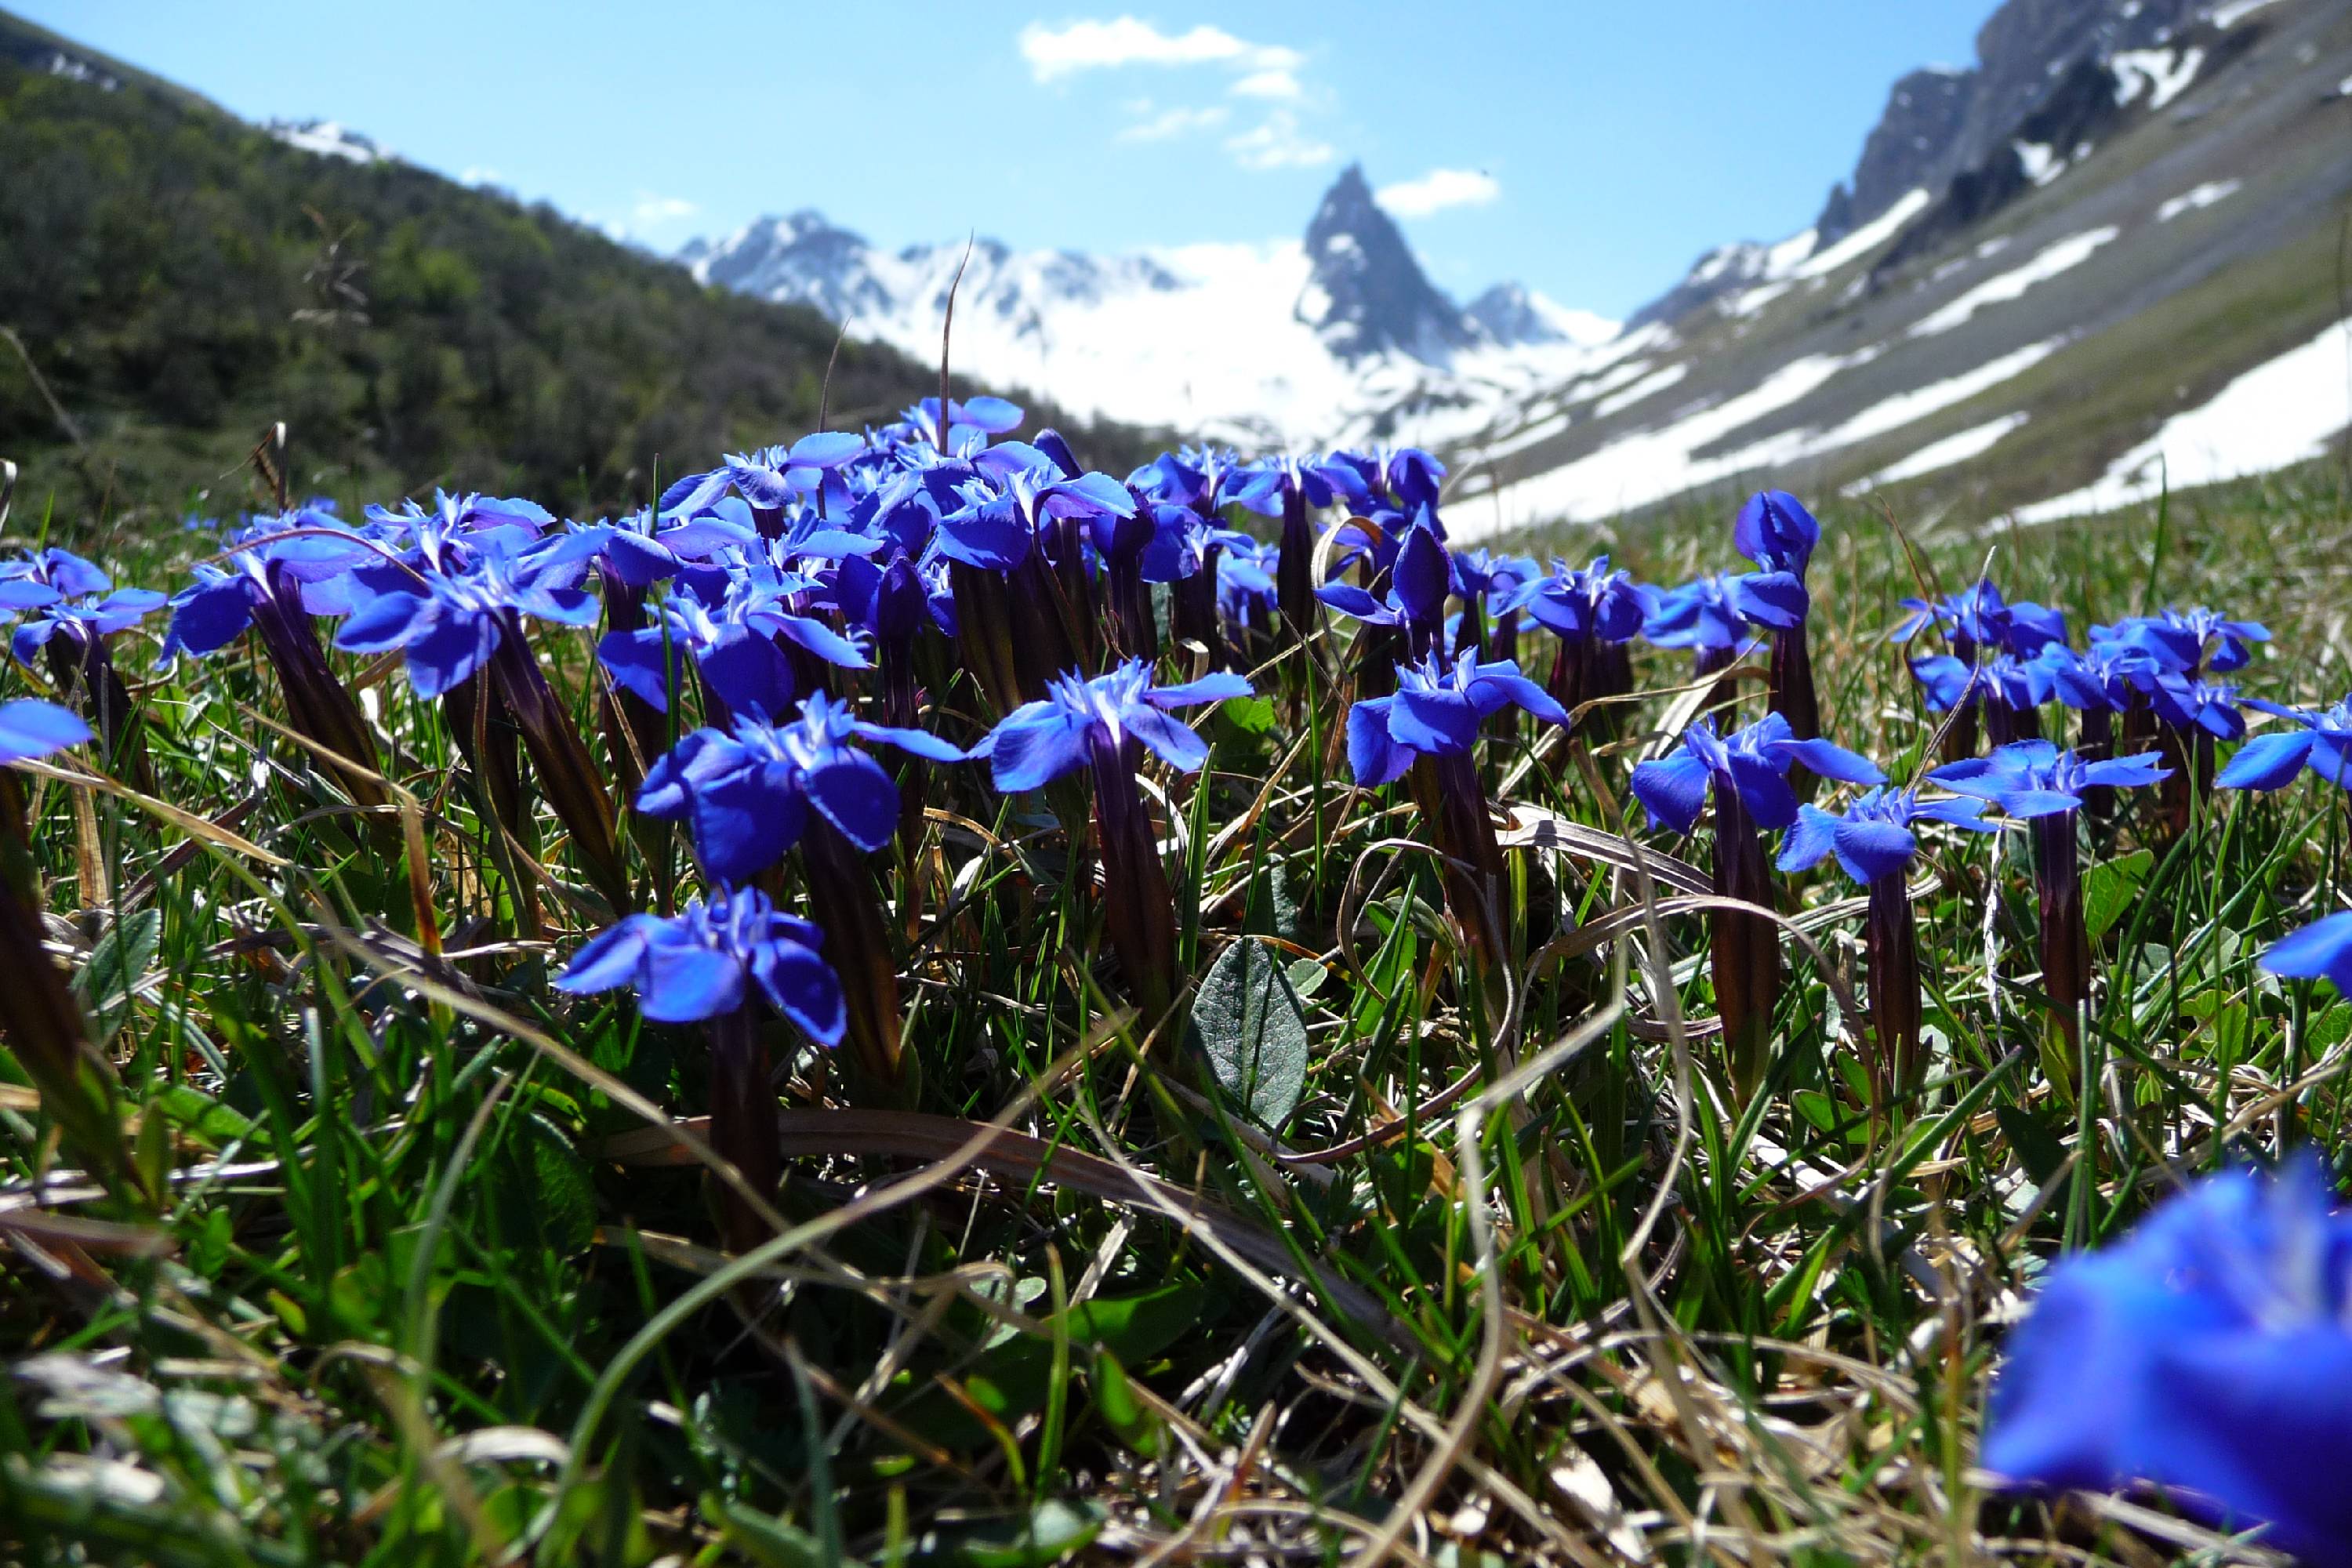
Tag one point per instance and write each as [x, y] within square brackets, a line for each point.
[2137, 267]
[1279, 343]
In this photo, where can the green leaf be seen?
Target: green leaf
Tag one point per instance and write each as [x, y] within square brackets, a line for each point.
[119, 957]
[762, 1538]
[1251, 715]
[1247, 1020]
[2038, 1150]
[1115, 1400]
[2109, 886]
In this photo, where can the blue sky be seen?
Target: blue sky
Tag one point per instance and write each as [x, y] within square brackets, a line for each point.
[1591, 150]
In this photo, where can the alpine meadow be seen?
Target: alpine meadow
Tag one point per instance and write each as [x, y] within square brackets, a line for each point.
[779, 905]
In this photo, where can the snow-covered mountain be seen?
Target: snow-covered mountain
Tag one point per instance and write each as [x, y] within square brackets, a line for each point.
[1339, 334]
[2101, 260]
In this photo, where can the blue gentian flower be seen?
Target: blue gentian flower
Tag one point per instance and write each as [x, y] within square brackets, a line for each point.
[1751, 764]
[1874, 842]
[735, 645]
[450, 622]
[1288, 488]
[81, 622]
[1436, 710]
[2034, 779]
[1978, 617]
[31, 729]
[2195, 704]
[1595, 611]
[709, 958]
[1420, 581]
[747, 795]
[1776, 532]
[2035, 783]
[2323, 744]
[1041, 741]
[1746, 775]
[2188, 642]
[37, 579]
[2207, 1351]
[1873, 838]
[1107, 724]
[1712, 613]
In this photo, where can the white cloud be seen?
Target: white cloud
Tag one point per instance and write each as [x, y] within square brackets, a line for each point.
[1278, 143]
[1179, 121]
[1437, 190]
[1282, 84]
[1094, 45]
[480, 175]
[654, 212]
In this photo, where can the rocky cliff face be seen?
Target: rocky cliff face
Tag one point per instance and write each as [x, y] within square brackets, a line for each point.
[1365, 294]
[1940, 123]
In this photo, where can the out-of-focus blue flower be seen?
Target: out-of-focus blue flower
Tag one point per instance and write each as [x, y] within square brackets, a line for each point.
[2020, 686]
[450, 621]
[2033, 778]
[732, 643]
[1246, 589]
[1776, 532]
[31, 729]
[2208, 1351]
[706, 960]
[1978, 617]
[1593, 602]
[1436, 710]
[83, 621]
[2194, 703]
[1753, 762]
[1040, 741]
[1019, 489]
[2322, 950]
[769, 478]
[1873, 836]
[1716, 613]
[2323, 744]
[746, 796]
[641, 550]
[2189, 641]
[1419, 584]
[2101, 679]
[304, 557]
[40, 578]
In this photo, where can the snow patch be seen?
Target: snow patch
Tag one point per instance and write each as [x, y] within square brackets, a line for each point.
[1866, 238]
[2276, 414]
[2054, 258]
[2237, 11]
[1648, 386]
[2041, 161]
[328, 139]
[2164, 74]
[1946, 453]
[2204, 195]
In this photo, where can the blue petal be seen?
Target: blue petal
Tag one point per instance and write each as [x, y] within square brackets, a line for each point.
[683, 983]
[993, 414]
[1349, 600]
[1763, 790]
[856, 796]
[2322, 948]
[1220, 687]
[748, 671]
[1443, 722]
[1834, 762]
[381, 624]
[744, 823]
[1870, 850]
[1036, 743]
[918, 742]
[1775, 599]
[1500, 682]
[826, 449]
[1372, 756]
[610, 959]
[633, 659]
[30, 728]
[1809, 841]
[802, 986]
[823, 641]
[2267, 762]
[1673, 789]
[1168, 737]
[208, 619]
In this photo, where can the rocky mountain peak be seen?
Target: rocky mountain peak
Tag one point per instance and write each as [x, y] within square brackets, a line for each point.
[1365, 294]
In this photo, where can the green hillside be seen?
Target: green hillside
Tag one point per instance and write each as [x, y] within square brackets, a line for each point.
[178, 278]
